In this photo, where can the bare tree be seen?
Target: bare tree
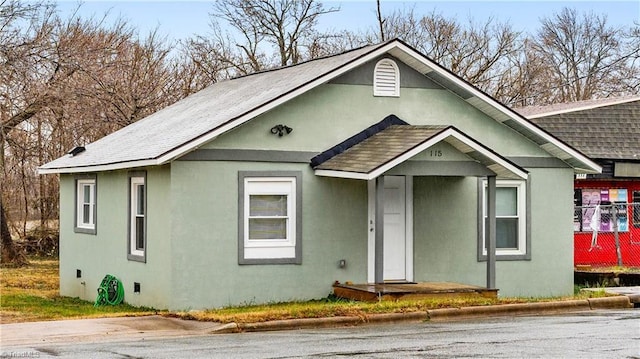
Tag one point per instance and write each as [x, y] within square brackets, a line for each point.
[67, 82]
[585, 55]
[478, 52]
[265, 34]
[572, 57]
[525, 75]
[630, 73]
[214, 57]
[24, 29]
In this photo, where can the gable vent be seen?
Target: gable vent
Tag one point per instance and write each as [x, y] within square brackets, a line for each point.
[386, 79]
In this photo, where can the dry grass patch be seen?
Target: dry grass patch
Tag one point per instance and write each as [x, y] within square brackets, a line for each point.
[608, 269]
[334, 307]
[31, 293]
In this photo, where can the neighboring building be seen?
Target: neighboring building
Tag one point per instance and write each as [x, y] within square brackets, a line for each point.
[607, 131]
[368, 166]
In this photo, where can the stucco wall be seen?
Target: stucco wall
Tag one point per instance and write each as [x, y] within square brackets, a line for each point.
[445, 244]
[192, 240]
[550, 271]
[204, 249]
[445, 215]
[332, 113]
[106, 251]
[445, 230]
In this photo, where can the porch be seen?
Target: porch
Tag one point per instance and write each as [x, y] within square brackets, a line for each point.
[410, 291]
[389, 155]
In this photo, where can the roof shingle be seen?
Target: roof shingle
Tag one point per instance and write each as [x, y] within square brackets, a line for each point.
[201, 113]
[381, 148]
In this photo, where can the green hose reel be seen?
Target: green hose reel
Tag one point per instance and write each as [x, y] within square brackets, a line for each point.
[110, 292]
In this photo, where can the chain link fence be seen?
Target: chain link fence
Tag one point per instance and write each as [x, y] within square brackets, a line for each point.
[607, 234]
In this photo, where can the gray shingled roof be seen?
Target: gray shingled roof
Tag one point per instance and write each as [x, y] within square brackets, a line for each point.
[201, 117]
[601, 129]
[381, 148]
[200, 113]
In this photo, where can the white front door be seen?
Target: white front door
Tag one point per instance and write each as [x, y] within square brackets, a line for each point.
[395, 234]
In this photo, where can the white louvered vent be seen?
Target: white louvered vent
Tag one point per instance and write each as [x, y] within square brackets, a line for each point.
[386, 79]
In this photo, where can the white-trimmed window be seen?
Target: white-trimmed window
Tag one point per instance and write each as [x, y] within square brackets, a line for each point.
[511, 218]
[137, 216]
[386, 79]
[86, 205]
[269, 210]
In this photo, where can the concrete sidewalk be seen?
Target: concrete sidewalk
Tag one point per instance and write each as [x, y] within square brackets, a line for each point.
[633, 293]
[148, 327]
[99, 330]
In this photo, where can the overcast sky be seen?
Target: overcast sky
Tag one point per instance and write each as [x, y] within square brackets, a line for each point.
[181, 19]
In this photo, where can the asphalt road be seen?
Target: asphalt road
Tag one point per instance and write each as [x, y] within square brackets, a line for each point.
[593, 334]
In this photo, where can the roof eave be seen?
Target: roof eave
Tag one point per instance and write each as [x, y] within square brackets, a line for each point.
[585, 107]
[344, 174]
[98, 168]
[504, 110]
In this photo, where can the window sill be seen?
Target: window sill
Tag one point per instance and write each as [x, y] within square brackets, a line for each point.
[507, 257]
[137, 258]
[85, 230]
[243, 261]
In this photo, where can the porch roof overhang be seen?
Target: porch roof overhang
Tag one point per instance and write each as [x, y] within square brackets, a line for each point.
[398, 143]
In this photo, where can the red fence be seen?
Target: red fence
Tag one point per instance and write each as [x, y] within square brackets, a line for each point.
[598, 247]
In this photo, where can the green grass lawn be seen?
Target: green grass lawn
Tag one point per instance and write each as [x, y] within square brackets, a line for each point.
[31, 293]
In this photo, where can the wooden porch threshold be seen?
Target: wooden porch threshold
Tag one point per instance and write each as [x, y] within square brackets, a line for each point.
[410, 291]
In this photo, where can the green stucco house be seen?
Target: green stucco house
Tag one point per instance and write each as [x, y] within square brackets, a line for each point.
[369, 166]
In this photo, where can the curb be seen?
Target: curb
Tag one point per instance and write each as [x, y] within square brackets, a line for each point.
[397, 317]
[227, 328]
[621, 301]
[444, 314]
[634, 298]
[330, 322]
[304, 323]
[508, 310]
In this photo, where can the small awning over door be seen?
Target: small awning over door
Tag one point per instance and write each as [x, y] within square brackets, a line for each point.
[391, 142]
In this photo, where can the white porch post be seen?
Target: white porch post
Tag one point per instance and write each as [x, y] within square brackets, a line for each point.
[491, 232]
[379, 231]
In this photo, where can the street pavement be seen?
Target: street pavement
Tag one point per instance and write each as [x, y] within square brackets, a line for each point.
[594, 334]
[21, 336]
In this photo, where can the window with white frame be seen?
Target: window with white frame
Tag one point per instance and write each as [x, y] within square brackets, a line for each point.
[269, 210]
[86, 205]
[511, 218]
[137, 217]
[386, 79]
